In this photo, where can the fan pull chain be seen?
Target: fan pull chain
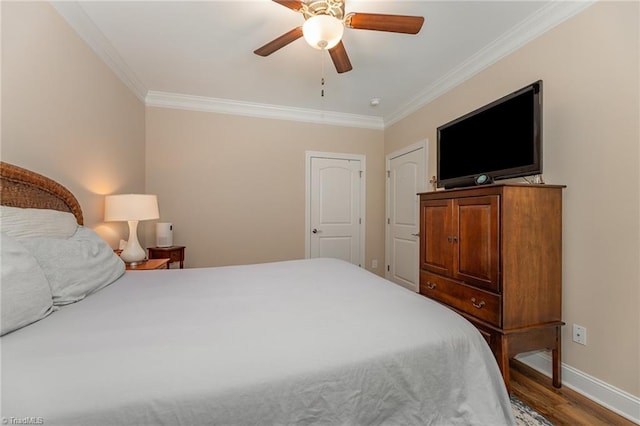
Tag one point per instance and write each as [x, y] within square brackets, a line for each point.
[322, 82]
[322, 76]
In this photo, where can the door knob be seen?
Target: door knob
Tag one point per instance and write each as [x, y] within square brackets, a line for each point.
[315, 231]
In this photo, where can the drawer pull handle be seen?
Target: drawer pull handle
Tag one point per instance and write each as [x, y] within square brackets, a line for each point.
[430, 285]
[475, 304]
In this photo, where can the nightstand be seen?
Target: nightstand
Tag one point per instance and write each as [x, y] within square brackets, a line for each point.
[149, 265]
[173, 253]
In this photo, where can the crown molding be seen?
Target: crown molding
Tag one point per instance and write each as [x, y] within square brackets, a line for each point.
[76, 17]
[548, 17]
[250, 109]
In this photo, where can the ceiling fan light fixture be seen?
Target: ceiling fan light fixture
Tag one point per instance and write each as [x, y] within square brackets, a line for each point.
[323, 31]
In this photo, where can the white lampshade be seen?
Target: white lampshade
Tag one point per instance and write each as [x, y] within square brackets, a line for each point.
[323, 31]
[131, 208]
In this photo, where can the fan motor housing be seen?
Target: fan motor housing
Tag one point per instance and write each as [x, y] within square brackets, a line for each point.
[334, 8]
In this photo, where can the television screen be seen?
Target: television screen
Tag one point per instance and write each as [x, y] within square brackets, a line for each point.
[501, 140]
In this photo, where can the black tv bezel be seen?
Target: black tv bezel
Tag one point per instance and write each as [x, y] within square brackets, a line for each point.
[530, 169]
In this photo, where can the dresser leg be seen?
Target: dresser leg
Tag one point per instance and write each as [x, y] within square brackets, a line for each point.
[502, 356]
[556, 358]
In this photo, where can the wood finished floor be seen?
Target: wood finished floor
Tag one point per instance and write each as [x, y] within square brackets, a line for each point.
[560, 406]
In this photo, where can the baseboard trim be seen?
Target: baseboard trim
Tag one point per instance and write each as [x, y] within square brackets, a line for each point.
[616, 400]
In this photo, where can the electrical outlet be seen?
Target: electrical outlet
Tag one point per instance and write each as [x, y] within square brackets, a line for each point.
[374, 264]
[579, 334]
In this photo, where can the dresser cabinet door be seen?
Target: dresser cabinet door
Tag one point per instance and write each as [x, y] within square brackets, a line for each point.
[476, 241]
[436, 251]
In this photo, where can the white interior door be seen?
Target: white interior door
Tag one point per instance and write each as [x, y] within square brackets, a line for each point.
[405, 178]
[335, 222]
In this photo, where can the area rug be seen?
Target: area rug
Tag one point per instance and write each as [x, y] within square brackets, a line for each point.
[527, 416]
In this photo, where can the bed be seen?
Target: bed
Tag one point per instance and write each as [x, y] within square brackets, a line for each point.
[302, 342]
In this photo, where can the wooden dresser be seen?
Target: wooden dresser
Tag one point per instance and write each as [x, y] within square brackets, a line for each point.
[494, 254]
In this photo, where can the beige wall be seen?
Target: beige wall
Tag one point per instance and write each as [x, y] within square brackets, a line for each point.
[590, 68]
[234, 187]
[65, 114]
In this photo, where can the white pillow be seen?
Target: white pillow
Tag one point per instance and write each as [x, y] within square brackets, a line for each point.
[77, 266]
[31, 223]
[24, 291]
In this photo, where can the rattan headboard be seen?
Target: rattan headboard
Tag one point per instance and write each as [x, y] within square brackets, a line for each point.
[23, 188]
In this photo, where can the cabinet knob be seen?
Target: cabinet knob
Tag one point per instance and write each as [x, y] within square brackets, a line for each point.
[450, 238]
[416, 235]
[475, 303]
[430, 285]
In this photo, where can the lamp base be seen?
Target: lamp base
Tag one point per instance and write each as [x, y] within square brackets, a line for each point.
[133, 253]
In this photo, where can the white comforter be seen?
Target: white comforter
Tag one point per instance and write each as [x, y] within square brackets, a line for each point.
[301, 342]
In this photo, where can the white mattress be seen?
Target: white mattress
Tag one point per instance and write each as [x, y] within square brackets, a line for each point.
[301, 342]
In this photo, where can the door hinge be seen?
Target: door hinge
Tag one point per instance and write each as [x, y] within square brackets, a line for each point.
[388, 268]
[388, 221]
[360, 221]
[360, 173]
[388, 173]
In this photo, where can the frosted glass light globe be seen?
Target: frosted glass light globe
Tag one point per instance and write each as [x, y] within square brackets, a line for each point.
[323, 31]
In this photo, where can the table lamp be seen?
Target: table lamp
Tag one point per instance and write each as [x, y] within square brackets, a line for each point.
[131, 208]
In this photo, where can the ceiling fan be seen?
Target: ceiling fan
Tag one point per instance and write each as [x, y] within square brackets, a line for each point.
[324, 24]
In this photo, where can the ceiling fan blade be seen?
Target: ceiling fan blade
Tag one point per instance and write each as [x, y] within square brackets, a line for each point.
[279, 42]
[380, 22]
[340, 58]
[291, 4]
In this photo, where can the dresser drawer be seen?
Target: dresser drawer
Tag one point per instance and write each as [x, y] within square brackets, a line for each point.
[481, 304]
[176, 256]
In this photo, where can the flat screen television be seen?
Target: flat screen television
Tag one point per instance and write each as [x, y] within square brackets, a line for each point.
[500, 140]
